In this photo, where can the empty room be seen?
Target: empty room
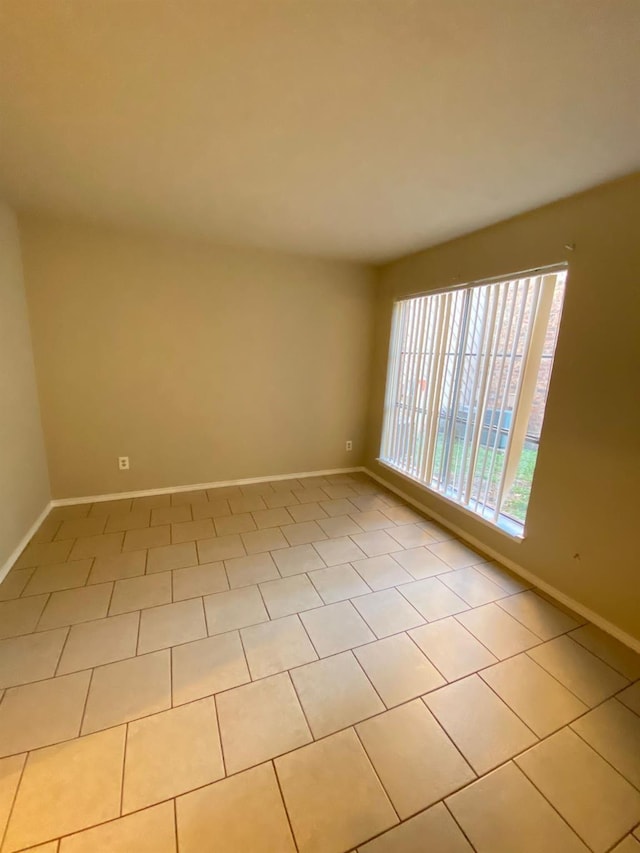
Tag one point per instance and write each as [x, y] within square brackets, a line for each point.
[319, 444]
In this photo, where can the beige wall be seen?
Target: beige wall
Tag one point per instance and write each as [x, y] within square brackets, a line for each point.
[24, 481]
[586, 492]
[199, 363]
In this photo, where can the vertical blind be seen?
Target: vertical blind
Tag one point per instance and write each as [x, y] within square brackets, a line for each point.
[464, 369]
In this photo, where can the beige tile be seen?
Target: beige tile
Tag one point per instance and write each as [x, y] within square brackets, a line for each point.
[342, 506]
[43, 554]
[306, 512]
[470, 706]
[14, 583]
[259, 541]
[171, 753]
[435, 824]
[47, 530]
[451, 648]
[456, 554]
[337, 551]
[97, 546]
[473, 587]
[42, 713]
[199, 580]
[538, 615]
[68, 787]
[30, 657]
[495, 629]
[133, 520]
[402, 514]
[594, 800]
[255, 568]
[294, 561]
[281, 498]
[76, 605]
[189, 496]
[303, 533]
[60, 513]
[382, 572]
[259, 721]
[234, 524]
[211, 509]
[289, 595]
[150, 537]
[189, 531]
[127, 690]
[587, 676]
[398, 669]
[335, 693]
[224, 493]
[538, 699]
[387, 612]
[611, 651]
[118, 566]
[340, 525]
[314, 482]
[614, 732]
[433, 599]
[103, 641]
[631, 697]
[168, 557]
[421, 563]
[21, 615]
[285, 485]
[237, 608]
[274, 517]
[136, 593]
[339, 490]
[367, 502]
[220, 548]
[275, 646]
[627, 845]
[74, 528]
[338, 583]
[220, 811]
[500, 576]
[148, 831]
[410, 536]
[373, 544]
[207, 666]
[336, 628]
[171, 624]
[151, 501]
[333, 796]
[104, 508]
[371, 520]
[504, 813]
[310, 495]
[170, 514]
[48, 847]
[415, 760]
[246, 504]
[10, 773]
[56, 577]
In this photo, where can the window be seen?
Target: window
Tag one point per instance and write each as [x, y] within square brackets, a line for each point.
[467, 382]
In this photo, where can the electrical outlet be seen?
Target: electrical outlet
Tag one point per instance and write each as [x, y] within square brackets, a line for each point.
[123, 463]
[349, 445]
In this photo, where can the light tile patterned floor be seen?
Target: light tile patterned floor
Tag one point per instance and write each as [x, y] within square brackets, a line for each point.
[302, 665]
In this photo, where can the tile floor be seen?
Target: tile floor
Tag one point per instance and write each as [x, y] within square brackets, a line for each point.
[303, 665]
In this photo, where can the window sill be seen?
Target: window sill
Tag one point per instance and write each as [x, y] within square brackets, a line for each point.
[505, 525]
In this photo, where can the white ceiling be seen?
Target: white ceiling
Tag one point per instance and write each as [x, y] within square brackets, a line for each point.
[361, 129]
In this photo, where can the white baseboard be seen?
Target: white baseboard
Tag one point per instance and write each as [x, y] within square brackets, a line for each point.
[165, 490]
[561, 597]
[7, 565]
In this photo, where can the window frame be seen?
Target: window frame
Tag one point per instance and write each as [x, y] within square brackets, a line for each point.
[503, 524]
